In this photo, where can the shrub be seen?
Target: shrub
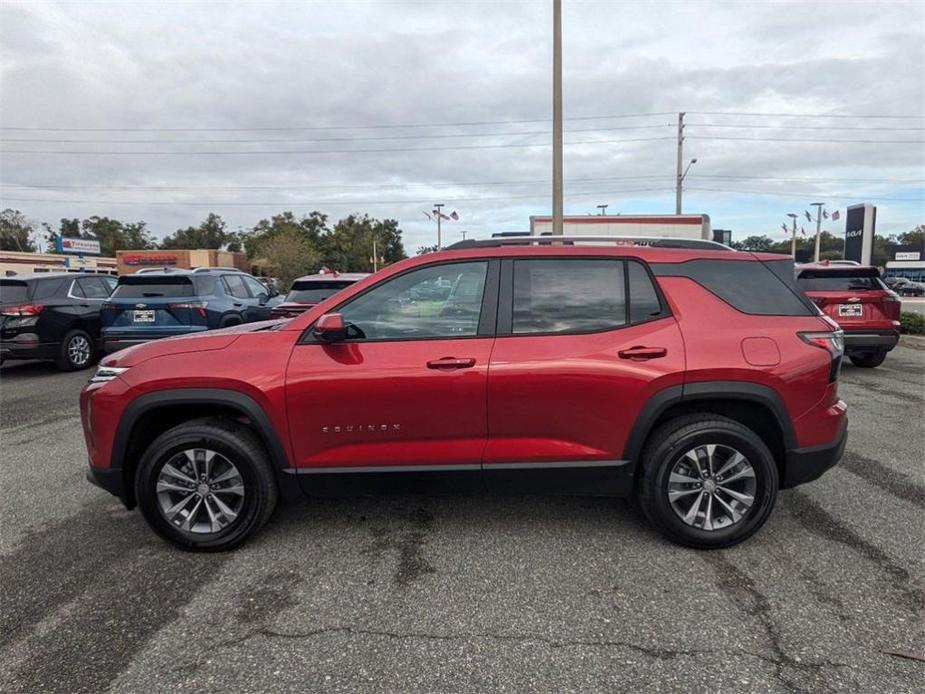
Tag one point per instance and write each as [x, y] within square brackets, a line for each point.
[912, 323]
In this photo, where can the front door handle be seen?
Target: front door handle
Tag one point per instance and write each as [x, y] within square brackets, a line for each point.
[449, 363]
[640, 353]
[238, 305]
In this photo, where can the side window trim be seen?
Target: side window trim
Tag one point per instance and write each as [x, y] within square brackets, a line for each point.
[487, 321]
[72, 291]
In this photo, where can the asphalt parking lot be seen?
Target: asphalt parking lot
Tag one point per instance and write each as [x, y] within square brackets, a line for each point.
[465, 594]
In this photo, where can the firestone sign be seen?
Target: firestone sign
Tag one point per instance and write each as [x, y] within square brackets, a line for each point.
[79, 246]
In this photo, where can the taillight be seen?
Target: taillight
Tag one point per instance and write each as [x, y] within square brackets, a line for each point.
[198, 306]
[24, 310]
[832, 342]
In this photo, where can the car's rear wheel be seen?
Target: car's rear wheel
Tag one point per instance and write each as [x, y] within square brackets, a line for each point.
[707, 481]
[76, 352]
[867, 361]
[206, 485]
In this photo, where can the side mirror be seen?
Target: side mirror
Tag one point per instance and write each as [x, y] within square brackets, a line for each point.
[273, 292]
[330, 328]
[262, 298]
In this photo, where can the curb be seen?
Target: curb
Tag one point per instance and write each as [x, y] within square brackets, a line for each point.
[913, 341]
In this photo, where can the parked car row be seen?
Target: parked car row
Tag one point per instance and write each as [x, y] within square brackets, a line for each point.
[71, 318]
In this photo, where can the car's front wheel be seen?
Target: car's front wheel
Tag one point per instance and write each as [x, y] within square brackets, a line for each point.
[707, 481]
[206, 485]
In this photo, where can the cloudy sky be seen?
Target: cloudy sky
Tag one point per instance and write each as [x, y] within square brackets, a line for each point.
[166, 111]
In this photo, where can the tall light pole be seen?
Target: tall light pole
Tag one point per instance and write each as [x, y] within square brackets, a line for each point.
[439, 215]
[603, 209]
[793, 240]
[557, 118]
[818, 206]
[680, 176]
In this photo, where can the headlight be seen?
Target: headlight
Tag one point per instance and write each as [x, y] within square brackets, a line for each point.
[105, 374]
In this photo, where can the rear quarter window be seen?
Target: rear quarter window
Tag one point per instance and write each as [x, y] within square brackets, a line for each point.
[749, 286]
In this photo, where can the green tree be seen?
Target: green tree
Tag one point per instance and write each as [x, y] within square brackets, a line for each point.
[349, 246]
[209, 234]
[754, 243]
[287, 255]
[16, 232]
[311, 227]
[916, 237]
[114, 235]
[426, 249]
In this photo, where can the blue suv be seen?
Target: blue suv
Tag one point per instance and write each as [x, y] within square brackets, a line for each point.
[151, 304]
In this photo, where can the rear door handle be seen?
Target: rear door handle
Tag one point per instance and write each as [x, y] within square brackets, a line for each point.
[640, 353]
[238, 304]
[450, 363]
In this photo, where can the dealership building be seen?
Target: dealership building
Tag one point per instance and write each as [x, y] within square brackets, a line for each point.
[906, 261]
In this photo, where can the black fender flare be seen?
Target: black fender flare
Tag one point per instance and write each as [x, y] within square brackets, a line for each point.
[706, 390]
[231, 399]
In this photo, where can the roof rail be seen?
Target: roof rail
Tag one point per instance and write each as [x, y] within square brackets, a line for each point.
[206, 268]
[153, 269]
[547, 240]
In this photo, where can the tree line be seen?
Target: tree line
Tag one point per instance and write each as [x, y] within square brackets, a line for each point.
[284, 245]
[832, 247]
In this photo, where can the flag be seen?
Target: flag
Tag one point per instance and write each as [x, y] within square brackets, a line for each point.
[428, 216]
[453, 215]
[825, 215]
[803, 231]
[835, 215]
[809, 217]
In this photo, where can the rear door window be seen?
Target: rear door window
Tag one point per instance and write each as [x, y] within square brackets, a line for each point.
[644, 302]
[568, 295]
[234, 285]
[146, 286]
[93, 288]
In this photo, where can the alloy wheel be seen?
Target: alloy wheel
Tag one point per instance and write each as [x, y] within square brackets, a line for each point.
[712, 487]
[78, 350]
[200, 491]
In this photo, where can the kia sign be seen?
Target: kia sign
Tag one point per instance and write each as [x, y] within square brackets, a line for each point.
[860, 224]
[81, 246]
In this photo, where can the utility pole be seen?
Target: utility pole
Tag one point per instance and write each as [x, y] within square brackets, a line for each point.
[557, 118]
[793, 240]
[680, 174]
[818, 206]
[439, 215]
[603, 209]
[464, 232]
[375, 256]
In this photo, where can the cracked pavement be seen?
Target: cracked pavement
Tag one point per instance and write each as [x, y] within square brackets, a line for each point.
[467, 593]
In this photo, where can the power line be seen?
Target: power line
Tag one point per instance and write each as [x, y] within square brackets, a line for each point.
[440, 136]
[319, 203]
[783, 139]
[799, 195]
[377, 185]
[336, 127]
[873, 128]
[328, 151]
[807, 115]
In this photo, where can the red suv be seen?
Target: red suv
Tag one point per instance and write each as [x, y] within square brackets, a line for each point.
[700, 380]
[857, 299]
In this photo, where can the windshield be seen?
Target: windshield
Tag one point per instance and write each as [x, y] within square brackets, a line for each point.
[314, 292]
[840, 281]
[139, 287]
[13, 292]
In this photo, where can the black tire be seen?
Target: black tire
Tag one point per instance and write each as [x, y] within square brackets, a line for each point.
[237, 444]
[228, 321]
[867, 361]
[666, 447]
[77, 351]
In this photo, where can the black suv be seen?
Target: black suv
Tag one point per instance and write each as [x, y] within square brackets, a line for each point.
[53, 316]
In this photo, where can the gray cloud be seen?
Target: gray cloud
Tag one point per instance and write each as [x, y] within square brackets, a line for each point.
[268, 65]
